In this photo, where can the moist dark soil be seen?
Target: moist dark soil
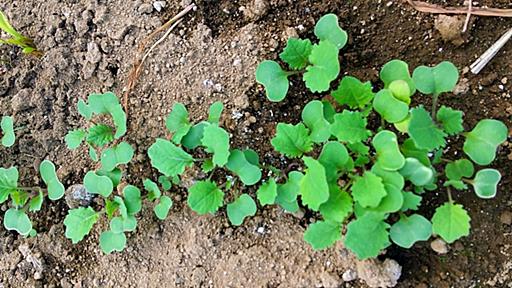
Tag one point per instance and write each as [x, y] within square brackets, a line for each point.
[89, 46]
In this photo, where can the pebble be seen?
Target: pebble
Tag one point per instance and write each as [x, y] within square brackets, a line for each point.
[260, 230]
[504, 80]
[38, 276]
[349, 275]
[78, 196]
[506, 218]
[159, 5]
[145, 8]
[439, 246]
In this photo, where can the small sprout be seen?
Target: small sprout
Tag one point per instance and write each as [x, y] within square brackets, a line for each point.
[314, 188]
[132, 199]
[193, 138]
[162, 208]
[97, 184]
[111, 241]
[36, 203]
[120, 224]
[79, 223]
[18, 221]
[287, 193]
[116, 155]
[459, 169]
[450, 119]
[8, 182]
[323, 234]
[436, 80]
[100, 135]
[486, 182]
[324, 67]
[389, 107]
[451, 222]
[401, 91]
[241, 208]
[353, 92]
[75, 138]
[292, 140]
[481, 143]
[267, 192]
[55, 188]
[313, 117]
[168, 158]
[274, 79]
[410, 229]
[215, 112]
[216, 141]
[328, 29]
[25, 43]
[7, 129]
[205, 197]
[397, 70]
[152, 188]
[178, 123]
[239, 164]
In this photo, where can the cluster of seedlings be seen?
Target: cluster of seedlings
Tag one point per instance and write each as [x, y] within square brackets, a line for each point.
[15, 38]
[372, 180]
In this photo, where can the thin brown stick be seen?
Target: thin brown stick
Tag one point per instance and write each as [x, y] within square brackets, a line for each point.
[479, 11]
[468, 16]
[134, 74]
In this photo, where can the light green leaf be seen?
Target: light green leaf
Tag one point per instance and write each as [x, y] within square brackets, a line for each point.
[110, 242]
[7, 27]
[132, 199]
[18, 221]
[119, 118]
[296, 53]
[7, 127]
[457, 184]
[36, 203]
[164, 181]
[409, 149]
[84, 109]
[436, 80]
[367, 236]
[241, 208]
[55, 188]
[390, 108]
[410, 229]
[329, 111]
[481, 143]
[96, 184]
[368, 190]
[424, 131]
[397, 70]
[462, 168]
[353, 92]
[267, 192]
[216, 141]
[238, 164]
[274, 79]
[450, 119]
[205, 197]
[313, 117]
[400, 90]
[215, 112]
[162, 208]
[100, 135]
[92, 153]
[339, 205]
[116, 155]
[388, 153]
[328, 29]
[350, 127]
[8, 182]
[313, 186]
[324, 67]
[169, 159]
[79, 223]
[411, 201]
[287, 193]
[193, 138]
[334, 158]
[177, 122]
[114, 175]
[74, 138]
[416, 172]
[486, 182]
[292, 140]
[152, 188]
[120, 225]
[451, 222]
[323, 234]
[122, 206]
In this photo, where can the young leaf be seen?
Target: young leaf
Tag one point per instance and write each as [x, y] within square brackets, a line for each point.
[177, 122]
[169, 159]
[241, 208]
[390, 108]
[486, 182]
[334, 157]
[152, 188]
[353, 92]
[193, 138]
[274, 79]
[451, 222]
[92, 153]
[122, 206]
[267, 192]
[409, 149]
[458, 169]
[100, 135]
[36, 203]
[110, 242]
[323, 234]
[368, 190]
[313, 186]
[401, 91]
[8, 182]
[436, 80]
[287, 192]
[328, 29]
[292, 140]
[55, 188]
[450, 119]
[205, 197]
[329, 111]
[120, 225]
[296, 53]
[132, 199]
[388, 154]
[350, 127]
[116, 155]
[396, 70]
[411, 201]
[215, 112]
[114, 175]
[18, 221]
[84, 110]
[367, 236]
[74, 138]
[313, 117]
[109, 103]
[216, 141]
[162, 208]
[416, 172]
[481, 143]
[238, 164]
[119, 119]
[96, 184]
[7, 127]
[410, 229]
[424, 131]
[338, 207]
[457, 184]
[79, 223]
[324, 67]
[164, 181]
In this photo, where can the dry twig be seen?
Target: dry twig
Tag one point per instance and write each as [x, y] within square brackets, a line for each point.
[479, 11]
[470, 10]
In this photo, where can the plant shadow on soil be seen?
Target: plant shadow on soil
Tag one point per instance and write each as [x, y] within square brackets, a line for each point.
[43, 99]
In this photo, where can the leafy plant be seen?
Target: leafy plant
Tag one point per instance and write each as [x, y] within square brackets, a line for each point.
[17, 39]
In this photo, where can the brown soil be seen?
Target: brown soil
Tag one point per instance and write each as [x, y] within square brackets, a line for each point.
[89, 47]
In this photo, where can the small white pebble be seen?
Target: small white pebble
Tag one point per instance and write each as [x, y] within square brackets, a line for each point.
[501, 87]
[260, 230]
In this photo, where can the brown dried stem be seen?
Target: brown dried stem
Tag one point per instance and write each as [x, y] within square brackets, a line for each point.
[479, 11]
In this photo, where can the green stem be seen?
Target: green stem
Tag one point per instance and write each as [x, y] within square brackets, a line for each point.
[435, 98]
[290, 73]
[449, 191]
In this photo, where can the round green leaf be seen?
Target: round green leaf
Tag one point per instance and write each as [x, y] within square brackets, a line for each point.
[481, 143]
[486, 182]
[216, 141]
[117, 155]
[193, 138]
[215, 112]
[416, 172]
[424, 131]
[241, 208]
[274, 79]
[132, 199]
[177, 122]
[410, 229]
[368, 190]
[120, 225]
[55, 188]
[110, 242]
[328, 29]
[205, 197]
[322, 234]
[397, 70]
[313, 186]
[451, 222]
[401, 91]
[162, 208]
[96, 184]
[313, 117]
[7, 127]
[367, 236]
[390, 108]
[79, 223]
[238, 164]
[168, 158]
[353, 92]
[296, 53]
[324, 67]
[334, 157]
[350, 127]
[287, 193]
[36, 203]
[339, 205]
[388, 152]
[458, 169]
[8, 182]
[267, 192]
[436, 80]
[152, 188]
[18, 221]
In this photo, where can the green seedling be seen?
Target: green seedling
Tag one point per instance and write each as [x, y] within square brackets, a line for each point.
[7, 129]
[318, 63]
[17, 39]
